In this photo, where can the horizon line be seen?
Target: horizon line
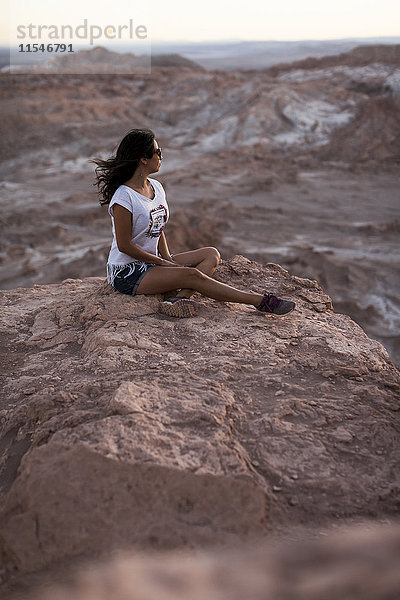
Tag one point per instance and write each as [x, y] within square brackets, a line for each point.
[234, 41]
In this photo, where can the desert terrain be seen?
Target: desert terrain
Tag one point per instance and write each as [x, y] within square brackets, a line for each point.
[298, 164]
[151, 458]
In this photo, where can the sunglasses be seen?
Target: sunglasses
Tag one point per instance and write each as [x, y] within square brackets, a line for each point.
[158, 151]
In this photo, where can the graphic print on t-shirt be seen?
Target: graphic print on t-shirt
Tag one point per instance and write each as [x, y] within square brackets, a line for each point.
[158, 218]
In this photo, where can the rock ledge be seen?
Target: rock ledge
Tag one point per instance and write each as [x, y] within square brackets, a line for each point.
[124, 428]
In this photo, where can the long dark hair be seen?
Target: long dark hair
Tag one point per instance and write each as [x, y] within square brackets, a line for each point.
[111, 173]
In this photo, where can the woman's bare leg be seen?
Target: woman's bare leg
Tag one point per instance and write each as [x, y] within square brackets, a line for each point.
[205, 260]
[159, 280]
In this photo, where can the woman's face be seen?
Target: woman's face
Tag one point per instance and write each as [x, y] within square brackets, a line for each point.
[154, 162]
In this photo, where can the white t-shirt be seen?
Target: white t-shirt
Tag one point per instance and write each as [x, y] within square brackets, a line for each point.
[149, 218]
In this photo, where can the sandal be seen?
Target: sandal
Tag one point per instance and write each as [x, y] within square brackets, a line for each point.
[178, 307]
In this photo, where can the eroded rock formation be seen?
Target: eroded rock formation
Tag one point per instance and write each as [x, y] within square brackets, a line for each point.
[297, 165]
[122, 427]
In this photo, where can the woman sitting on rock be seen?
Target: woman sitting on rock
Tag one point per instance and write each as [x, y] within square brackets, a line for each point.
[139, 261]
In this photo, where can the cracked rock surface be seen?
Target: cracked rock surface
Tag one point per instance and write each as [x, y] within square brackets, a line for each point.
[121, 427]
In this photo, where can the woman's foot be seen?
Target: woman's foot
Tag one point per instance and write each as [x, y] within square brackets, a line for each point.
[178, 307]
[272, 304]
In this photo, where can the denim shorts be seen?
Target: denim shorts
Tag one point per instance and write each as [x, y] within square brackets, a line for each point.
[127, 278]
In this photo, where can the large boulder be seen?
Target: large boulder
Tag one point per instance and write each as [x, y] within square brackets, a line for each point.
[122, 427]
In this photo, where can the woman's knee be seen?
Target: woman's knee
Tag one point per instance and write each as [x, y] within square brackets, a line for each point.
[213, 254]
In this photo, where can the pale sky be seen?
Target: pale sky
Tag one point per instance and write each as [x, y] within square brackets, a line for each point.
[185, 20]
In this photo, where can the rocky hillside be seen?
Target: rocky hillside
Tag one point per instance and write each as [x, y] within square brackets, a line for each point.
[100, 60]
[124, 428]
[360, 56]
[291, 110]
[297, 166]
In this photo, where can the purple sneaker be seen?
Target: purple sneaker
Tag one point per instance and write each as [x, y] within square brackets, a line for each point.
[272, 304]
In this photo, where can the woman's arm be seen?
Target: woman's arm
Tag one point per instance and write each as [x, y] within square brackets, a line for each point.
[163, 247]
[123, 233]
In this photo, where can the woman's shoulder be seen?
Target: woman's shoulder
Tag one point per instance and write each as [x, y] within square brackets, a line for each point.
[123, 192]
[123, 197]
